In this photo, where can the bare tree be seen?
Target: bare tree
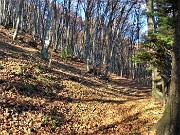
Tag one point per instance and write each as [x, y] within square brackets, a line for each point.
[47, 35]
[18, 19]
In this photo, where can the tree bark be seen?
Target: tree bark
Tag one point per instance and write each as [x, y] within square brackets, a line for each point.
[1, 8]
[88, 36]
[46, 41]
[18, 19]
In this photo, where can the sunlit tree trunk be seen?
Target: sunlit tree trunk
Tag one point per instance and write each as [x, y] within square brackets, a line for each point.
[47, 39]
[95, 37]
[3, 7]
[18, 19]
[74, 35]
[68, 21]
[39, 19]
[62, 33]
[1, 11]
[88, 36]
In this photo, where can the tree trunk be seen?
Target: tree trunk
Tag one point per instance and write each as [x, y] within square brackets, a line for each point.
[1, 8]
[87, 50]
[18, 19]
[39, 20]
[95, 36]
[46, 41]
[88, 36]
[156, 78]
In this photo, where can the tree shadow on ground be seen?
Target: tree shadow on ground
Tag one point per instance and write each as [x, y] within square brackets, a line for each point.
[69, 73]
[12, 51]
[50, 118]
[130, 84]
[94, 84]
[111, 127]
[18, 107]
[77, 77]
[101, 101]
[66, 68]
[34, 91]
[26, 88]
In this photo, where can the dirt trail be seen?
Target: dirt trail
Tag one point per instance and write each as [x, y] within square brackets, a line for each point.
[63, 100]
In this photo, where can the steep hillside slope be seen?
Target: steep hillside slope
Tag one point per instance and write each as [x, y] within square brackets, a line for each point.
[64, 99]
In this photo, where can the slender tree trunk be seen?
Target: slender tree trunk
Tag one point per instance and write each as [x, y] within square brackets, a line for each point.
[47, 39]
[88, 36]
[95, 36]
[39, 19]
[69, 45]
[1, 8]
[87, 50]
[18, 19]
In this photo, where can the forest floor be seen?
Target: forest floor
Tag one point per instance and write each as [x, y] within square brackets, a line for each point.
[64, 99]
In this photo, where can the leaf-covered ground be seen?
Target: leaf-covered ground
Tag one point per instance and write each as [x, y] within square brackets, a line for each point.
[64, 99]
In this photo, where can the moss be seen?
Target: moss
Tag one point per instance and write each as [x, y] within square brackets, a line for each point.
[164, 124]
[157, 95]
[28, 88]
[1, 67]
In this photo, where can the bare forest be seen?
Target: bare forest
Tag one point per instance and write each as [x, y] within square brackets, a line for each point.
[89, 67]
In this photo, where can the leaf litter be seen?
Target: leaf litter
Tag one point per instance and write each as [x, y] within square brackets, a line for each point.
[64, 99]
